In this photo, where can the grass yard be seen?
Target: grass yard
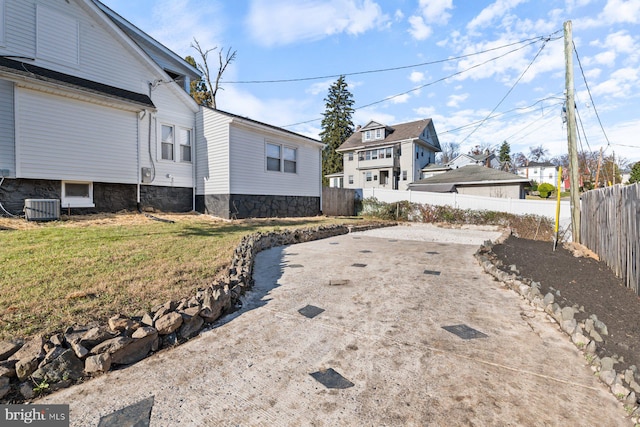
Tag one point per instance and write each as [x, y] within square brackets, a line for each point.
[88, 268]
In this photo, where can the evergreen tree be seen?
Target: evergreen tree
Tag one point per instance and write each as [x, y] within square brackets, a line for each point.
[635, 173]
[337, 126]
[198, 89]
[505, 152]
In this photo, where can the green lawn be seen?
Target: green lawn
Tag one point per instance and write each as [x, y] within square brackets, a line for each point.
[71, 272]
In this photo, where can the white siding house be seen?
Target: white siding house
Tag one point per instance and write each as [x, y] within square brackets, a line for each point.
[247, 168]
[380, 156]
[84, 108]
[541, 172]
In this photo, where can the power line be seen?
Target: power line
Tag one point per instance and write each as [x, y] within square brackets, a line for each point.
[382, 70]
[430, 83]
[589, 92]
[508, 92]
[504, 113]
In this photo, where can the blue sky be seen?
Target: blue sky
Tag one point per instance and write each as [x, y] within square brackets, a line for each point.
[520, 86]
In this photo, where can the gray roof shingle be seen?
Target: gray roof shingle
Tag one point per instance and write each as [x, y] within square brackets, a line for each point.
[400, 132]
[50, 76]
[472, 174]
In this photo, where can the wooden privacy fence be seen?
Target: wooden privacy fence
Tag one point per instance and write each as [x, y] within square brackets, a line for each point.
[338, 201]
[610, 226]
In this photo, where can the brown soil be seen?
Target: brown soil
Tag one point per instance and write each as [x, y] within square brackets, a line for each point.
[583, 282]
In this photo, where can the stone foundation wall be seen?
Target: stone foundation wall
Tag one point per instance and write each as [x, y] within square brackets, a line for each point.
[107, 197]
[238, 206]
[167, 199]
[214, 204]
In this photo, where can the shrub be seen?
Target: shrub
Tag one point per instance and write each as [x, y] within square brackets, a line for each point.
[545, 190]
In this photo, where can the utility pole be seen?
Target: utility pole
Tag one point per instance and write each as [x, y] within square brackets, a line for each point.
[598, 170]
[574, 176]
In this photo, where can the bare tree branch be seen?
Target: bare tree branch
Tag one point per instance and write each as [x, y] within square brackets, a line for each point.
[209, 99]
[229, 58]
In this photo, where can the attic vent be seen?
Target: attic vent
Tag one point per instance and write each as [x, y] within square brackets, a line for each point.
[42, 209]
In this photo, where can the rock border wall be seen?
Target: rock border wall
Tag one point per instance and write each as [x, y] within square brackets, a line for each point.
[586, 335]
[49, 362]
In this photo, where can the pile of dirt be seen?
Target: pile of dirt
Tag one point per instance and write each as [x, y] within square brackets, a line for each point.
[584, 281]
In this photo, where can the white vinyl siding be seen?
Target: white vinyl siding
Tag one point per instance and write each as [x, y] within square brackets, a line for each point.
[57, 36]
[2, 13]
[59, 138]
[7, 132]
[96, 55]
[248, 173]
[212, 153]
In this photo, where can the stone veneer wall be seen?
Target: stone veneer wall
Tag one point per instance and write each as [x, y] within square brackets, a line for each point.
[60, 359]
[240, 206]
[107, 197]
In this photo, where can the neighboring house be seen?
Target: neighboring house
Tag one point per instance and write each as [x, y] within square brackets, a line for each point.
[245, 168]
[541, 172]
[336, 180]
[97, 114]
[476, 181]
[433, 169]
[388, 156]
[488, 160]
[88, 116]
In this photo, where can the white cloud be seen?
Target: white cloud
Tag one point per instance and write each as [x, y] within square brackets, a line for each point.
[419, 30]
[617, 11]
[492, 12]
[621, 84]
[416, 77]
[400, 99]
[281, 22]
[605, 58]
[320, 87]
[362, 117]
[623, 43]
[455, 100]
[614, 12]
[399, 16]
[273, 111]
[177, 22]
[435, 11]
[431, 12]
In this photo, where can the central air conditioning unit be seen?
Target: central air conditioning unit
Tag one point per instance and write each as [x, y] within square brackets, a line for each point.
[42, 209]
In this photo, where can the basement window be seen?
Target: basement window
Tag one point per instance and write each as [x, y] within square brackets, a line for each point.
[77, 194]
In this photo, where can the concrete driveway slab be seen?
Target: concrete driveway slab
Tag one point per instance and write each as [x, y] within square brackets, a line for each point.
[380, 328]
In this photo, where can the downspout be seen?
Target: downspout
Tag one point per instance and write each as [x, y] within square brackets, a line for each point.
[138, 163]
[194, 159]
[320, 151]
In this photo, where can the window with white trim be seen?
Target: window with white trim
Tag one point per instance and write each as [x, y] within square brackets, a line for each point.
[368, 176]
[367, 135]
[167, 142]
[350, 156]
[185, 145]
[404, 175]
[273, 157]
[350, 179]
[281, 158]
[378, 133]
[77, 194]
[290, 161]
